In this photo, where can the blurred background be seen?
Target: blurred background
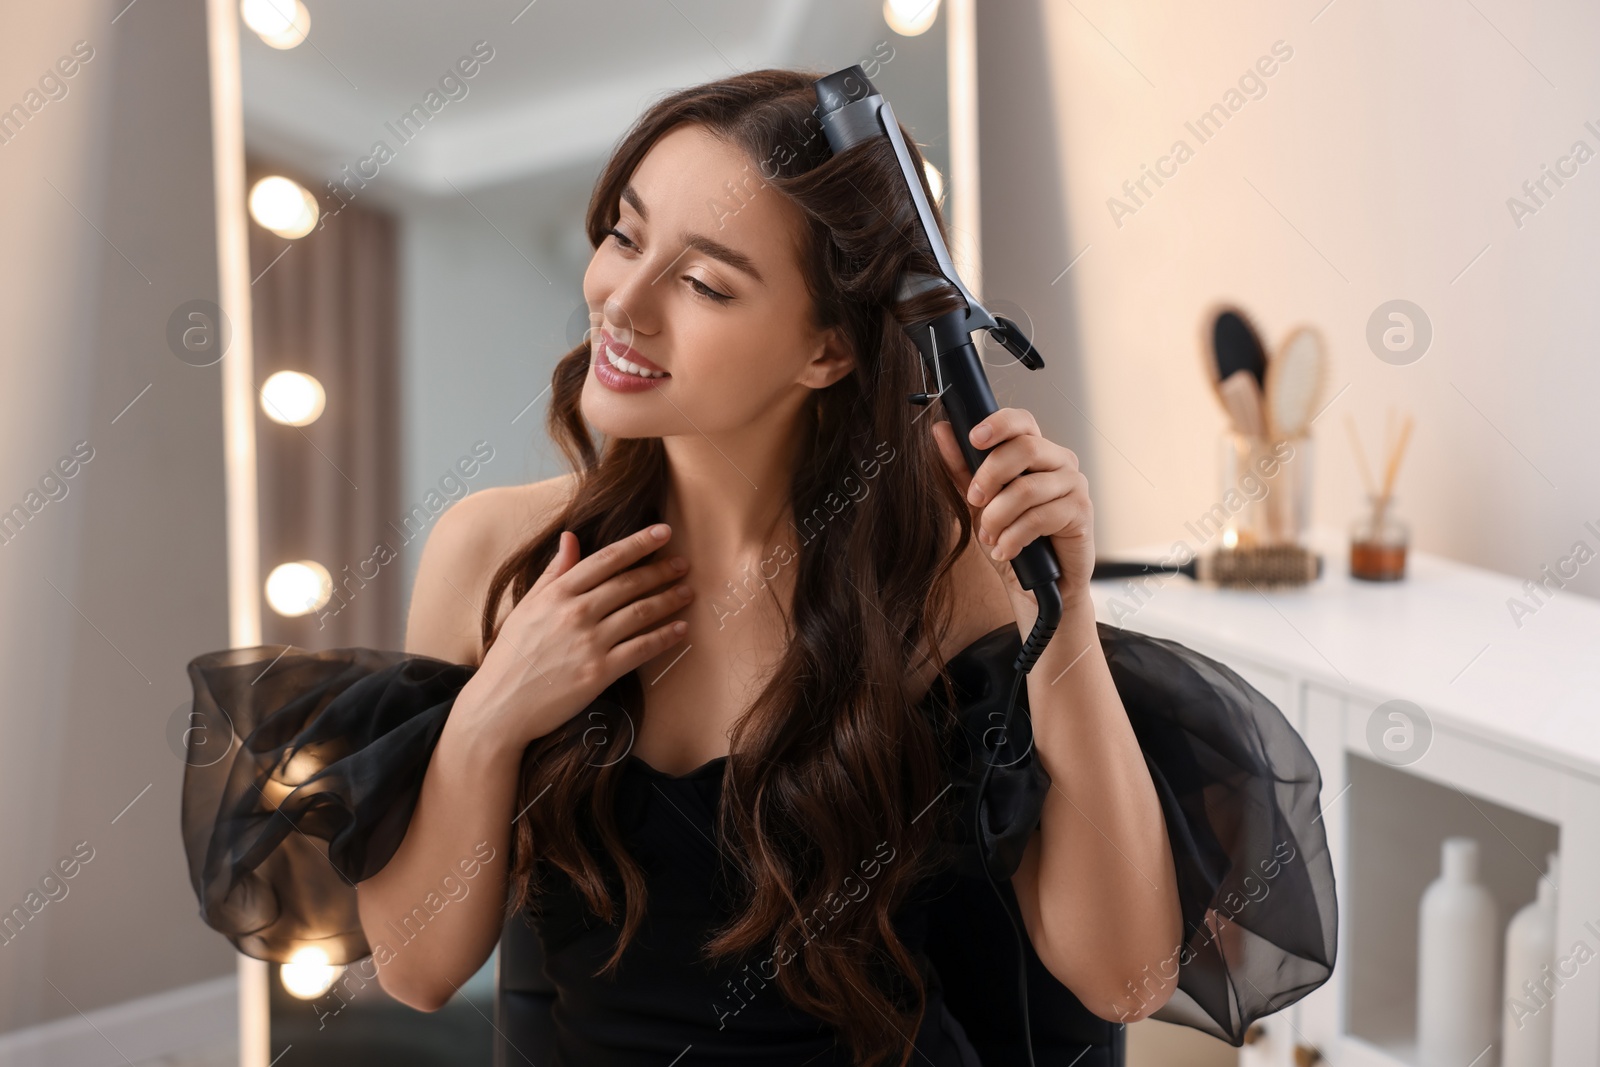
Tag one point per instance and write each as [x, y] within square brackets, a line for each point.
[415, 252]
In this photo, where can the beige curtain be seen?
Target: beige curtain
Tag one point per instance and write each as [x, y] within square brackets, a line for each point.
[326, 305]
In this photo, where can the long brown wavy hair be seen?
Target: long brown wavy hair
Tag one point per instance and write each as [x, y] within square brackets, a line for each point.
[834, 761]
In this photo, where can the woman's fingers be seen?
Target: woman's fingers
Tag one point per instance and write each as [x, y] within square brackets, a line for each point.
[609, 591]
[1051, 517]
[1028, 491]
[598, 566]
[565, 556]
[633, 617]
[638, 651]
[632, 584]
[1008, 461]
[1002, 424]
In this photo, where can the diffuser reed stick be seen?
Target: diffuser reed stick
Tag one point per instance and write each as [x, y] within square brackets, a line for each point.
[1361, 457]
[1391, 471]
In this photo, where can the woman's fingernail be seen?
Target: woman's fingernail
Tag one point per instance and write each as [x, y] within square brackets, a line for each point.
[679, 563]
[659, 531]
[980, 434]
[975, 494]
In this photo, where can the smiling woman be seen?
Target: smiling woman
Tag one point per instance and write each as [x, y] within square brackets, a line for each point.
[700, 887]
[678, 301]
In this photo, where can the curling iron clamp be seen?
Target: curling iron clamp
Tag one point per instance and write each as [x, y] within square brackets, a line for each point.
[852, 111]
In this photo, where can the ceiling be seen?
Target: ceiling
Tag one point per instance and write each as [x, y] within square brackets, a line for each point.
[564, 80]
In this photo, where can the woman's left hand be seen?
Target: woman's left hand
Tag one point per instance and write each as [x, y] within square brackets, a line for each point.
[1026, 487]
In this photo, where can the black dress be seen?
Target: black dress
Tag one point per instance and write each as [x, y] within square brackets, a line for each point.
[304, 767]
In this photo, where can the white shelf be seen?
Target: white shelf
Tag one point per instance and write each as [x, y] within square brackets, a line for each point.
[1442, 637]
[1514, 761]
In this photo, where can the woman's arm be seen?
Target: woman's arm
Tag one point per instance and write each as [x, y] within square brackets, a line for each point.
[463, 815]
[574, 632]
[464, 810]
[1096, 886]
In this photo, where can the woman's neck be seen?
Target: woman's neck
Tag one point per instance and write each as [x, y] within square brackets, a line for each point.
[726, 501]
[728, 495]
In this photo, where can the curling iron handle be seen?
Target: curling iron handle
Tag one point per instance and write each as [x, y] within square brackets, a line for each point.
[968, 400]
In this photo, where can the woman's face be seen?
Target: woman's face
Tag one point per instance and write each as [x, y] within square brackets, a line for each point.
[701, 278]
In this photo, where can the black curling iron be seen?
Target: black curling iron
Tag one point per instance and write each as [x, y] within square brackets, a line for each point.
[852, 111]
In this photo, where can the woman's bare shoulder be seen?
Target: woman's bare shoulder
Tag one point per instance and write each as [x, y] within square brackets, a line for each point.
[463, 550]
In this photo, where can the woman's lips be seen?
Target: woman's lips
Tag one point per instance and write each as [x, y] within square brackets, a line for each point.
[618, 379]
[630, 354]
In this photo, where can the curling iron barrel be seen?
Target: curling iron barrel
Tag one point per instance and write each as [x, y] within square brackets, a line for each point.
[852, 111]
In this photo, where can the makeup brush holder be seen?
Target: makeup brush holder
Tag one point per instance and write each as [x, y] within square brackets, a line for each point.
[1265, 491]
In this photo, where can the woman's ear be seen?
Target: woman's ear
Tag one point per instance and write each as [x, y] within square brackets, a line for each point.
[831, 360]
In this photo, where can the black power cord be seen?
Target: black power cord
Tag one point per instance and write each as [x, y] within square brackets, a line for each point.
[1048, 597]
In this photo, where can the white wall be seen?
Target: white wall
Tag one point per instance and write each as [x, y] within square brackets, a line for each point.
[1377, 165]
[108, 591]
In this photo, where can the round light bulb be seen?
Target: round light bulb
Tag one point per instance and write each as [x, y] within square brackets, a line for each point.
[280, 23]
[308, 974]
[292, 398]
[283, 206]
[908, 18]
[299, 588]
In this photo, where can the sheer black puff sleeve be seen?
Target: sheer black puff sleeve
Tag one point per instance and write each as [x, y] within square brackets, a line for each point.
[302, 771]
[1240, 794]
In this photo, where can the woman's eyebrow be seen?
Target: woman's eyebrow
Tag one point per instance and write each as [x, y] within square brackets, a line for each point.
[700, 242]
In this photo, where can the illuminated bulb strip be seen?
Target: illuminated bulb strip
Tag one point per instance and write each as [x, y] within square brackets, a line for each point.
[293, 398]
[909, 18]
[279, 23]
[283, 206]
[308, 974]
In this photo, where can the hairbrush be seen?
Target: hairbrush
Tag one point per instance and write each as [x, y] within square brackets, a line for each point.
[1295, 378]
[1236, 345]
[1263, 566]
[1236, 366]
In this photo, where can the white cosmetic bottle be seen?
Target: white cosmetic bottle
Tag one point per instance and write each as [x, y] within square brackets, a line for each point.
[1525, 1029]
[1457, 977]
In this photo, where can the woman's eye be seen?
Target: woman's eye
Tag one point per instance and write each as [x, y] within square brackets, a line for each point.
[621, 238]
[705, 290]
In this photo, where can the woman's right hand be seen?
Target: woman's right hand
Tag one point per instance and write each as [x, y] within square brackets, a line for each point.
[585, 623]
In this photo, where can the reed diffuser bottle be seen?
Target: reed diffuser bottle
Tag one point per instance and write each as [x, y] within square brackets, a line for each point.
[1379, 540]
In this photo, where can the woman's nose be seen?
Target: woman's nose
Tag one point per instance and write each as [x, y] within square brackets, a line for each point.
[627, 310]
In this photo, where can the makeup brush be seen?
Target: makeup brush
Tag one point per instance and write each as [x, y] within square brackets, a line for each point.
[1260, 566]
